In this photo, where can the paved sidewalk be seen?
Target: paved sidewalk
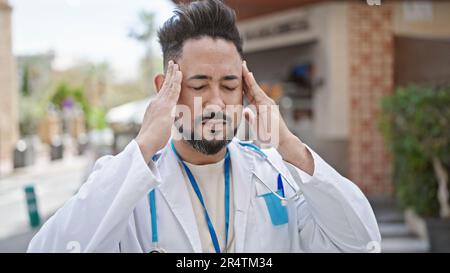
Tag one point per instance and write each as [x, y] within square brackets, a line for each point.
[55, 182]
[395, 235]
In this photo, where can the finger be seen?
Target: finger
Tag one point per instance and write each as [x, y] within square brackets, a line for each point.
[257, 92]
[172, 85]
[168, 76]
[247, 94]
[245, 68]
[252, 84]
[245, 72]
[247, 91]
[176, 84]
[170, 69]
[250, 117]
[248, 81]
[170, 81]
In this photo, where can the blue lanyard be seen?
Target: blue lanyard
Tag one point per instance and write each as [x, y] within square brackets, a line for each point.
[196, 188]
[153, 217]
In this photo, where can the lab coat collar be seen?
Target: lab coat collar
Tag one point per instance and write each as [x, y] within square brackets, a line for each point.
[176, 194]
[242, 166]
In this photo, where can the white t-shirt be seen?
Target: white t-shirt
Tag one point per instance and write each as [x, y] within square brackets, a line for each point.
[211, 181]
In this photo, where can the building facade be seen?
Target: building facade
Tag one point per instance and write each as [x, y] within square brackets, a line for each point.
[8, 91]
[334, 60]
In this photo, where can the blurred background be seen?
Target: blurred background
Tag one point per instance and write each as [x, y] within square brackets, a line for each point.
[366, 86]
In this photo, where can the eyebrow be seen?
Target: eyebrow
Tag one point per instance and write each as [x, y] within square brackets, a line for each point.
[204, 77]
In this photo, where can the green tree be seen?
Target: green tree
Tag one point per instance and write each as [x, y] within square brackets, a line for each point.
[25, 84]
[95, 116]
[144, 34]
[416, 123]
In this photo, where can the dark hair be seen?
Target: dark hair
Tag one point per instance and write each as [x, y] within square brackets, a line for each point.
[198, 19]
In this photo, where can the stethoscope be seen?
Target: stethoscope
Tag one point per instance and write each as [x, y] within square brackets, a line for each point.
[283, 199]
[280, 194]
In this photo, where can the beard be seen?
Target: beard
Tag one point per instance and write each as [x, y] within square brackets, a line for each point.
[209, 146]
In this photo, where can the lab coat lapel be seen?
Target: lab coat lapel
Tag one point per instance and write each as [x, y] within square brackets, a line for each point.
[242, 166]
[176, 194]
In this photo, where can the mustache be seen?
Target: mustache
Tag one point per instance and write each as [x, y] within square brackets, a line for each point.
[212, 116]
[203, 119]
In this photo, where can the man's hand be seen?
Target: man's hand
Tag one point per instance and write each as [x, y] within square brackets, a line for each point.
[267, 112]
[268, 115]
[158, 120]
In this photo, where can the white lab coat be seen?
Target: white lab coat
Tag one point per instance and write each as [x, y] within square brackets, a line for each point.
[110, 213]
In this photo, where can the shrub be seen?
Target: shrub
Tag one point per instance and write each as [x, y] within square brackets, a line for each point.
[416, 125]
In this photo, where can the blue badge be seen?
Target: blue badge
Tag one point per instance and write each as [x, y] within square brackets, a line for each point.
[278, 212]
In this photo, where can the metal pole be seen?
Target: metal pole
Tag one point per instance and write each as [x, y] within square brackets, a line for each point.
[33, 213]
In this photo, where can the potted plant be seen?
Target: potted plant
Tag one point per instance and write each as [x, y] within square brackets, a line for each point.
[416, 124]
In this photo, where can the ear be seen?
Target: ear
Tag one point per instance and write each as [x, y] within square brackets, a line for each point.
[159, 80]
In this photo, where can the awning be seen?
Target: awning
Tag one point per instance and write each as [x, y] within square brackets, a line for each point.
[131, 113]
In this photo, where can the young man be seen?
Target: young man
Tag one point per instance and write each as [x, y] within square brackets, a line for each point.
[206, 191]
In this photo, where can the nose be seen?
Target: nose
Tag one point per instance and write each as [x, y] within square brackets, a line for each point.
[215, 100]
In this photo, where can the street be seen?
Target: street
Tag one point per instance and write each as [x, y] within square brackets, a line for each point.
[54, 182]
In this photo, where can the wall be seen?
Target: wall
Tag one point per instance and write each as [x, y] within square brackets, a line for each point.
[324, 42]
[354, 55]
[430, 65]
[370, 53]
[8, 94]
[430, 19]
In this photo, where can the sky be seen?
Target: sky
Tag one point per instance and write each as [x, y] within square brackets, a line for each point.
[92, 30]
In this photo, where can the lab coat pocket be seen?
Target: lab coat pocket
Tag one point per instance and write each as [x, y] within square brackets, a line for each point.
[278, 213]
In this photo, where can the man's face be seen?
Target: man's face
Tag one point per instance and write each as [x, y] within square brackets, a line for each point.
[212, 90]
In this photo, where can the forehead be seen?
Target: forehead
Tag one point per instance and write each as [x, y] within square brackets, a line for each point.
[208, 56]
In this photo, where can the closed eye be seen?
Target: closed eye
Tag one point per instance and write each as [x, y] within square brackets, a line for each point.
[199, 87]
[230, 88]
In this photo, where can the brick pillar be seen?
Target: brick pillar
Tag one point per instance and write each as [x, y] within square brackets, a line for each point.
[370, 77]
